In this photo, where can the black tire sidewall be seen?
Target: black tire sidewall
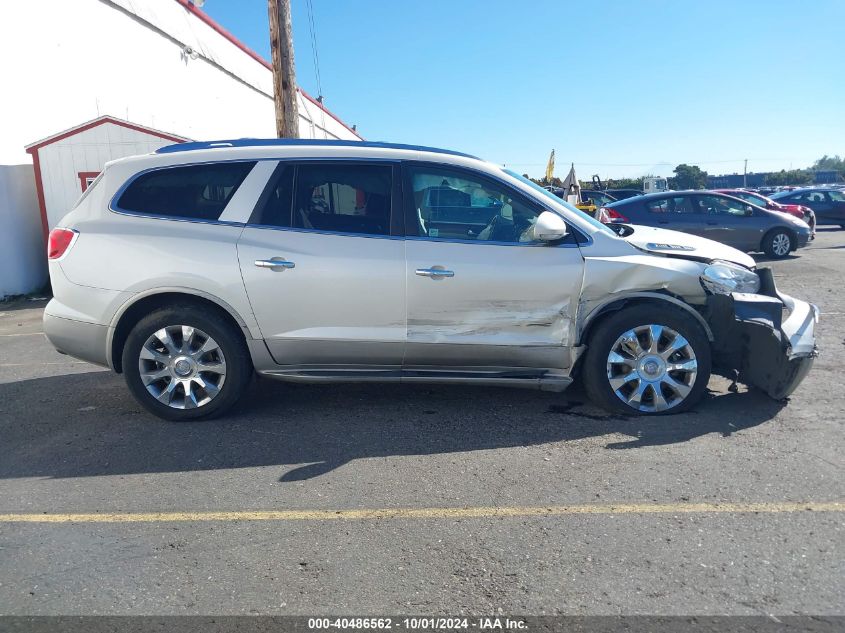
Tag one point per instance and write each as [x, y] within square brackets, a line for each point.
[769, 239]
[238, 363]
[594, 373]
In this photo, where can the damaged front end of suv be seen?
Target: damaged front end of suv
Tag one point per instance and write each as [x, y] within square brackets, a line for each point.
[762, 337]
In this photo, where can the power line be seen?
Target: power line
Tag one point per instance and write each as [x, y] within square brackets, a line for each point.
[312, 27]
[687, 161]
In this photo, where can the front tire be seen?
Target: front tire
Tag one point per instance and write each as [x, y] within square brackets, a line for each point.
[647, 360]
[186, 363]
[778, 243]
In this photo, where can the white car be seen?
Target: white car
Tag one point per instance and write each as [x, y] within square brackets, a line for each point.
[325, 261]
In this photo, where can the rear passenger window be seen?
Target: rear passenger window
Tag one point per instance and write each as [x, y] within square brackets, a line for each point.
[344, 198]
[196, 192]
[670, 205]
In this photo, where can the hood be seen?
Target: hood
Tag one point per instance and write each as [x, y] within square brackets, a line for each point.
[685, 246]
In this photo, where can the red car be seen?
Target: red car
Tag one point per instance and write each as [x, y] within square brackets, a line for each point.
[798, 210]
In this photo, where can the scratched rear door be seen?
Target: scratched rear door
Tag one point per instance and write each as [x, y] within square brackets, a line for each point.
[480, 294]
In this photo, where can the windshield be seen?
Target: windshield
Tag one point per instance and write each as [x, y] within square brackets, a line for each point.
[598, 198]
[754, 198]
[562, 203]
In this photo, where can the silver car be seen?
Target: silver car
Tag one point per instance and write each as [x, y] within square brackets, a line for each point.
[191, 268]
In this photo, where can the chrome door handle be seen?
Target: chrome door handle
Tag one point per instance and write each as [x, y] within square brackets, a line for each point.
[434, 272]
[274, 264]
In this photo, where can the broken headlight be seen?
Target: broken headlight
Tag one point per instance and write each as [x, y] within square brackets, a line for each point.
[724, 278]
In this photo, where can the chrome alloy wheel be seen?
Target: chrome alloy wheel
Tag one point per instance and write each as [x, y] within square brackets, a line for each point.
[651, 368]
[781, 244]
[182, 367]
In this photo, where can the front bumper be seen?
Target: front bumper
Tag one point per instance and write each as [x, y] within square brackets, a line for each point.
[769, 340]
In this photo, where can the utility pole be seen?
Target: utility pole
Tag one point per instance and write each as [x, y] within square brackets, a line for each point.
[745, 175]
[284, 75]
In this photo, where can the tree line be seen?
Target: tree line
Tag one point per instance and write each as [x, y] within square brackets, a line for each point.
[693, 177]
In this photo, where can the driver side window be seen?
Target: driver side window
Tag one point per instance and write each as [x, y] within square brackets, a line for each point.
[714, 205]
[453, 205]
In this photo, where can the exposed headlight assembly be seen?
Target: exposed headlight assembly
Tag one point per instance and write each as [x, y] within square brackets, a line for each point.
[724, 278]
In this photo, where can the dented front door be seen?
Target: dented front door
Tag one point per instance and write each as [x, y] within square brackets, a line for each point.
[496, 306]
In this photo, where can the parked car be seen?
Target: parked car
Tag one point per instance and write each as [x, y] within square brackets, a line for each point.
[622, 194]
[715, 216]
[598, 198]
[326, 261]
[798, 210]
[588, 205]
[828, 203]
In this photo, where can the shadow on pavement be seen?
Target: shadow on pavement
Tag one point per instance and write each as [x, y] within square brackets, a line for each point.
[88, 425]
[762, 258]
[24, 303]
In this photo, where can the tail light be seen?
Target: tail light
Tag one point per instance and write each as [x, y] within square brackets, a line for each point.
[606, 215]
[59, 242]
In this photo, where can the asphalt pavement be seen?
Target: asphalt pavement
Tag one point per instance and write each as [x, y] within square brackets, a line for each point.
[402, 499]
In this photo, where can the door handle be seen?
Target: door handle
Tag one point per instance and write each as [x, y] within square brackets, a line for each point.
[712, 223]
[274, 264]
[434, 272]
[663, 221]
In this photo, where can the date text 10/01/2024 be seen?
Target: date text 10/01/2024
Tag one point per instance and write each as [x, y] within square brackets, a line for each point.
[419, 623]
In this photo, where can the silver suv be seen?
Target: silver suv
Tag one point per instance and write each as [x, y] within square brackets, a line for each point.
[188, 269]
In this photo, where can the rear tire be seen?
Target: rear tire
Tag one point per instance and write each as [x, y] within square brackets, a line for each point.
[186, 363]
[778, 243]
[657, 381]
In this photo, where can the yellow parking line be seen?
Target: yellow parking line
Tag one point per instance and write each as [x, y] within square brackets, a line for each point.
[426, 513]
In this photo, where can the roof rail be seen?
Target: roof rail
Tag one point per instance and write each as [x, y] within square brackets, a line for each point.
[299, 142]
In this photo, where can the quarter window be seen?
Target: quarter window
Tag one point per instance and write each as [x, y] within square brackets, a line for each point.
[196, 192]
[680, 204]
[450, 205]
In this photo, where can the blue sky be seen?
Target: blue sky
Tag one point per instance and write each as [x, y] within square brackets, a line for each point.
[619, 88]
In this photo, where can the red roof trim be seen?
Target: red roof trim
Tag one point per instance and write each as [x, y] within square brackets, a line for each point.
[31, 149]
[202, 15]
[327, 111]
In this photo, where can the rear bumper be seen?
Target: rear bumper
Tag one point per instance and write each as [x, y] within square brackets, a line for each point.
[753, 338]
[86, 341]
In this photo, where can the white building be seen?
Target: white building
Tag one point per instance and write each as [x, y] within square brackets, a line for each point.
[156, 65]
[65, 164]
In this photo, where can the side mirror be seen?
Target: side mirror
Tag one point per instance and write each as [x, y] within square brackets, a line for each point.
[549, 227]
[749, 211]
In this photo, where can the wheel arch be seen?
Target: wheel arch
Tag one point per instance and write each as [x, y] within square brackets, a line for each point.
[614, 304]
[793, 237]
[143, 303]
